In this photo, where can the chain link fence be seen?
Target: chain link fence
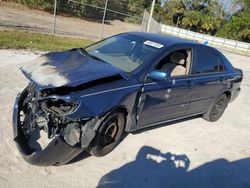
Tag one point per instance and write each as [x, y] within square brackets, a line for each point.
[80, 18]
[154, 25]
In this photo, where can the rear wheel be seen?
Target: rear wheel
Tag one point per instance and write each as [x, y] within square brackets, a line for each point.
[108, 135]
[217, 109]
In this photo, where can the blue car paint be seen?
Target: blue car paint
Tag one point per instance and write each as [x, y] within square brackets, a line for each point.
[99, 100]
[146, 102]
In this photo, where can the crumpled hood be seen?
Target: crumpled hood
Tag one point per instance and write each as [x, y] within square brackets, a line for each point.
[67, 68]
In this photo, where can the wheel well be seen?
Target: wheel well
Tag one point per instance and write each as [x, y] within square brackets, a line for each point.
[228, 94]
[122, 109]
[125, 112]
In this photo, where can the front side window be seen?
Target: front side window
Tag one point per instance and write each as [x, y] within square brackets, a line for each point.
[126, 52]
[207, 62]
[177, 63]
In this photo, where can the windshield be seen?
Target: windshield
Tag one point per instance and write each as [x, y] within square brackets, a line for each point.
[126, 52]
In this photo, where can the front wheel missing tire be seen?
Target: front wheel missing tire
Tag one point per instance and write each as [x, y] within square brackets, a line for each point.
[108, 135]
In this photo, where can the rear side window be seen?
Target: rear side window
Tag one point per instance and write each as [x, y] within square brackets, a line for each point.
[207, 62]
[221, 66]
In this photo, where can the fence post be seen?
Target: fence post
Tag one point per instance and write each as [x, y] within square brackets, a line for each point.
[186, 34]
[212, 42]
[248, 49]
[179, 32]
[203, 36]
[235, 46]
[223, 45]
[194, 36]
[103, 18]
[54, 18]
[150, 16]
[172, 30]
[143, 21]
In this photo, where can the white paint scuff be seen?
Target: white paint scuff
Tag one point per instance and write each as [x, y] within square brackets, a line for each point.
[42, 72]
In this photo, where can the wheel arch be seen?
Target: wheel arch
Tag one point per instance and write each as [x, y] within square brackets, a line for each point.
[123, 110]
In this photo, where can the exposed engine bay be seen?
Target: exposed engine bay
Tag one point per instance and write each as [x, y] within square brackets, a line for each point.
[48, 113]
[55, 118]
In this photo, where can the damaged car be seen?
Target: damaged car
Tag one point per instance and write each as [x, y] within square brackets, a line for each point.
[85, 99]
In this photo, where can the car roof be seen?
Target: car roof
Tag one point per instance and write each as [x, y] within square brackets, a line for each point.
[168, 40]
[160, 38]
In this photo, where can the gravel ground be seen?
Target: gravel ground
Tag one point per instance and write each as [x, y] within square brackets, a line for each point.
[191, 153]
[14, 16]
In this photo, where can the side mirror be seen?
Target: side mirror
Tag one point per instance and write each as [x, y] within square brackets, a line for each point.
[159, 75]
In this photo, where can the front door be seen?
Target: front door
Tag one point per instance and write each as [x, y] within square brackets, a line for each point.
[165, 100]
[162, 101]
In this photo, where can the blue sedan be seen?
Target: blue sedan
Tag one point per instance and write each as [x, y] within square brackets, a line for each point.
[87, 98]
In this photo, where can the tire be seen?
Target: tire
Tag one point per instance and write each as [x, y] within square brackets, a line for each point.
[108, 135]
[217, 109]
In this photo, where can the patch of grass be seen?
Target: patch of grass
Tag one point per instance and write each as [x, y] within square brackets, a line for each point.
[44, 42]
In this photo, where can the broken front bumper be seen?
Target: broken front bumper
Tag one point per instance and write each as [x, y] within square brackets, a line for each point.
[57, 152]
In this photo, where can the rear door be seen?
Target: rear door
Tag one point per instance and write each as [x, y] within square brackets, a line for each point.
[208, 78]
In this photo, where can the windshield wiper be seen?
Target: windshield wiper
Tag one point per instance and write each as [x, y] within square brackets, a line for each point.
[84, 51]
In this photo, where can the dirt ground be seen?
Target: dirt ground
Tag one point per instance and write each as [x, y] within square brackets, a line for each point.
[191, 153]
[22, 18]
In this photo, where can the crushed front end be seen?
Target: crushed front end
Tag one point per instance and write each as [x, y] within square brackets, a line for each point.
[41, 111]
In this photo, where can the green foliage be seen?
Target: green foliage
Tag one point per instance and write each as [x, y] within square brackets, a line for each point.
[196, 21]
[209, 17]
[27, 40]
[192, 20]
[205, 16]
[173, 12]
[245, 35]
[211, 25]
[237, 28]
[47, 5]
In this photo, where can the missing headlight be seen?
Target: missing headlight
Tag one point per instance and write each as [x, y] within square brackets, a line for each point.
[59, 107]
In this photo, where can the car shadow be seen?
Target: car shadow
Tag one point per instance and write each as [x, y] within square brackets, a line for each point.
[152, 168]
[79, 157]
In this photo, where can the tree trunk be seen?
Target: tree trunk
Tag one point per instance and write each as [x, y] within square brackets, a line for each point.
[177, 24]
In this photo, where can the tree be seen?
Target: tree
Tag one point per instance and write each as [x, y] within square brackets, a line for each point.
[205, 16]
[172, 12]
[192, 20]
[238, 26]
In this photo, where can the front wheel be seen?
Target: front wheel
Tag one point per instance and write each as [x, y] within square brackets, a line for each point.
[217, 109]
[108, 135]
